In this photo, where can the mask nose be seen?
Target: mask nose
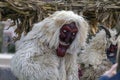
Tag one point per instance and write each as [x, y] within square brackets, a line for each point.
[68, 38]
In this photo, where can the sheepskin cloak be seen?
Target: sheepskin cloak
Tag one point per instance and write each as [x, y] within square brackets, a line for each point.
[36, 58]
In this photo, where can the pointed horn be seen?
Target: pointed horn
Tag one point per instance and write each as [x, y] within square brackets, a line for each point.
[117, 34]
[107, 31]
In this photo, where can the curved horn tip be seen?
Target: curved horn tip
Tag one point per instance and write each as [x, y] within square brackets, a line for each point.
[106, 30]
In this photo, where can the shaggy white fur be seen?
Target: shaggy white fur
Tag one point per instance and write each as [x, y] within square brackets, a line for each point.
[95, 55]
[36, 58]
[95, 50]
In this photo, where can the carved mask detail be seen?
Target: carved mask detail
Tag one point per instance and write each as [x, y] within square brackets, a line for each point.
[67, 35]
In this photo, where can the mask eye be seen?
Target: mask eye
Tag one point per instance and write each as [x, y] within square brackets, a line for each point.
[73, 34]
[64, 31]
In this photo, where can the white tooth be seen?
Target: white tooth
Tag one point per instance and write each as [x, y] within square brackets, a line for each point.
[63, 43]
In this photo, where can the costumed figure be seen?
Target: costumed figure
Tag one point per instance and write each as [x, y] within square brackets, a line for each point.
[49, 50]
[94, 58]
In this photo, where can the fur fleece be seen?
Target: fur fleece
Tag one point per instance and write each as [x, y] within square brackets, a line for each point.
[36, 58]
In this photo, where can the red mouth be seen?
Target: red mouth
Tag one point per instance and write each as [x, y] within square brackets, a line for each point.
[61, 50]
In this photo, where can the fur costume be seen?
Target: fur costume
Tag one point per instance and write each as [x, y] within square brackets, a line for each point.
[36, 58]
[94, 56]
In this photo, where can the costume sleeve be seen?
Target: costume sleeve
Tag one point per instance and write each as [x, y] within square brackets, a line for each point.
[104, 78]
[116, 77]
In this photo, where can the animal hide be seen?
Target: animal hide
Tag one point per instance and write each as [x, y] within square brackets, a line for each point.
[36, 58]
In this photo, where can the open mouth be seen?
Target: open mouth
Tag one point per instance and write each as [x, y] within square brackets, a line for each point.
[62, 48]
[111, 54]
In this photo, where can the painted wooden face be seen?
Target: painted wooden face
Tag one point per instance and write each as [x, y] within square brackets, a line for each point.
[112, 52]
[67, 35]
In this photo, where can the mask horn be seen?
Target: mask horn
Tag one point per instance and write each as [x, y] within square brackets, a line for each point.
[117, 34]
[107, 31]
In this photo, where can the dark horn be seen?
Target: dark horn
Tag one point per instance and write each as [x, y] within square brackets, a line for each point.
[117, 34]
[107, 31]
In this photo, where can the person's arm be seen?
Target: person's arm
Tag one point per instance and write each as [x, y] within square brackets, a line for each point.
[109, 74]
[115, 77]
